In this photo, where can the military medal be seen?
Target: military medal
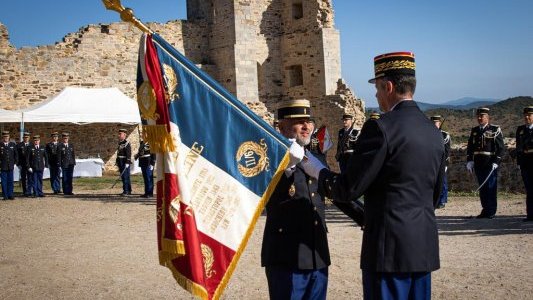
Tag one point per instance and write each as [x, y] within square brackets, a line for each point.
[292, 190]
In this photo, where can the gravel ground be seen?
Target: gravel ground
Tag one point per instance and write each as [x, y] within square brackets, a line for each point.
[97, 245]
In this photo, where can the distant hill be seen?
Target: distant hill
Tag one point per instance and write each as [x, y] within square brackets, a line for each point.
[468, 101]
[463, 103]
[506, 113]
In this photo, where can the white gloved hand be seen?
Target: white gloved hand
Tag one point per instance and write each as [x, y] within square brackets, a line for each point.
[127, 166]
[296, 153]
[311, 165]
[151, 167]
[30, 170]
[494, 166]
[470, 166]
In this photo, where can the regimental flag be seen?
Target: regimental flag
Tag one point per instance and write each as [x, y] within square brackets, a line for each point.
[217, 165]
[324, 139]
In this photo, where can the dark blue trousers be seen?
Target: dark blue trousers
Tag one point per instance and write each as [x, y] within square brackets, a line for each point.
[7, 183]
[489, 192]
[284, 283]
[126, 183]
[37, 182]
[68, 173]
[527, 176]
[396, 286]
[443, 198]
[148, 177]
[55, 173]
[25, 181]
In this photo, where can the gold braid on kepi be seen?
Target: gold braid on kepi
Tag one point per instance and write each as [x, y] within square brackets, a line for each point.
[394, 63]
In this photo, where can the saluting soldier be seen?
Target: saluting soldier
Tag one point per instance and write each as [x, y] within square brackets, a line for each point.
[8, 159]
[67, 161]
[22, 150]
[52, 150]
[124, 161]
[524, 158]
[37, 162]
[484, 153]
[446, 139]
[346, 144]
[147, 163]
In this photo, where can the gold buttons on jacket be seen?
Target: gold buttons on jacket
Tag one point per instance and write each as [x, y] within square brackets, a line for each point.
[316, 223]
[310, 181]
[280, 230]
[314, 208]
[312, 194]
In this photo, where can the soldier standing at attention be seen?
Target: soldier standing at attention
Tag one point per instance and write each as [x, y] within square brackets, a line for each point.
[484, 153]
[22, 150]
[37, 162]
[347, 138]
[443, 199]
[524, 158]
[8, 159]
[52, 150]
[67, 161]
[146, 162]
[124, 161]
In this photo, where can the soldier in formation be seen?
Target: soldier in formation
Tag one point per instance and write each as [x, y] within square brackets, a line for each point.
[443, 199]
[484, 153]
[22, 164]
[524, 158]
[124, 161]
[346, 143]
[67, 161]
[37, 161]
[52, 150]
[8, 159]
[147, 163]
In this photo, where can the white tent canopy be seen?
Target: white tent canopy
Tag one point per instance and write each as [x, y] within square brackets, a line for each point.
[10, 116]
[82, 106]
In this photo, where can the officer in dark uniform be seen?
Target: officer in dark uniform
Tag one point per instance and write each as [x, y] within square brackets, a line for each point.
[524, 158]
[314, 145]
[37, 162]
[52, 150]
[484, 153]
[443, 199]
[22, 150]
[374, 116]
[124, 161]
[8, 159]
[147, 163]
[347, 138]
[67, 161]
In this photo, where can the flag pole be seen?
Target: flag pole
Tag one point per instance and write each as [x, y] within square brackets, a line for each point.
[126, 14]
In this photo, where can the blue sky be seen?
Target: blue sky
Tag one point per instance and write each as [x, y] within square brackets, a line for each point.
[468, 48]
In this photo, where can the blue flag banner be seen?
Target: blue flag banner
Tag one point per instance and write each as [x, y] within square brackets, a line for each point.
[218, 163]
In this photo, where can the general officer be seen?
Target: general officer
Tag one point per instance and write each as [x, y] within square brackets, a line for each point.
[295, 250]
[124, 161]
[22, 150]
[8, 159]
[67, 161]
[398, 164]
[147, 163]
[52, 150]
[484, 153]
[37, 160]
[446, 139]
[346, 142]
[524, 158]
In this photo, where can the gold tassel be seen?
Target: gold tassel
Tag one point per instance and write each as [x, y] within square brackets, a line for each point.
[173, 246]
[159, 138]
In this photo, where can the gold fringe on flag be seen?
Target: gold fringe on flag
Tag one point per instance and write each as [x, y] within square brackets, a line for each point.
[159, 138]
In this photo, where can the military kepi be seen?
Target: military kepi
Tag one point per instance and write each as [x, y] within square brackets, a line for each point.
[528, 110]
[5, 133]
[122, 130]
[294, 109]
[394, 63]
[436, 118]
[347, 116]
[483, 111]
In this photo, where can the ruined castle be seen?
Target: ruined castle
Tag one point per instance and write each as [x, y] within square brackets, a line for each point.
[263, 51]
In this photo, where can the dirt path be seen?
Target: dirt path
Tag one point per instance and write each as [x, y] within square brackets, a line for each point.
[104, 247]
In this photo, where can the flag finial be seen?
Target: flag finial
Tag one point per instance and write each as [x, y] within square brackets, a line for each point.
[126, 14]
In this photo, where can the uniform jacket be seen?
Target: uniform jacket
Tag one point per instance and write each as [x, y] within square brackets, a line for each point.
[123, 153]
[398, 165]
[346, 142]
[37, 159]
[22, 150]
[8, 156]
[488, 140]
[295, 233]
[52, 150]
[67, 157]
[447, 145]
[144, 156]
[524, 146]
